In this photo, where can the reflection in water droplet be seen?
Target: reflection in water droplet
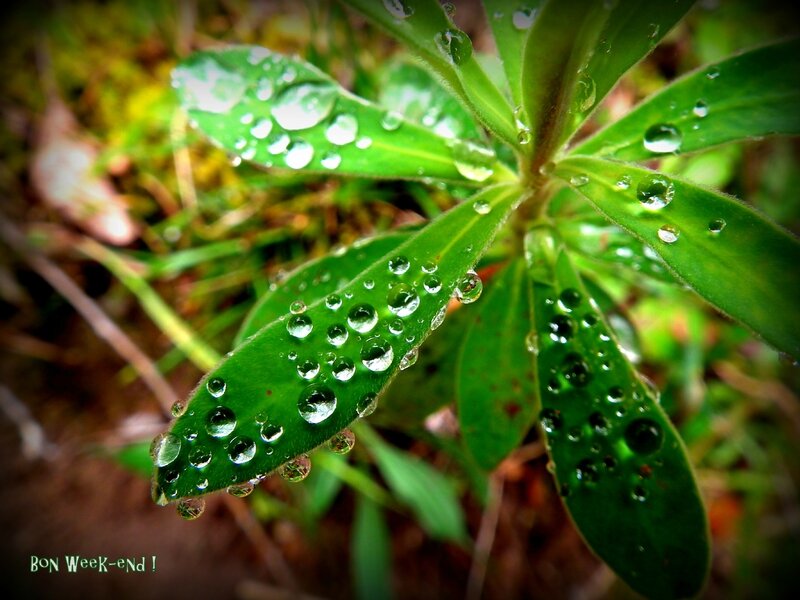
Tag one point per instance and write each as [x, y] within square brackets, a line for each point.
[655, 192]
[409, 359]
[399, 265]
[716, 226]
[304, 105]
[299, 326]
[469, 288]
[624, 182]
[342, 130]
[297, 307]
[668, 234]
[455, 45]
[241, 450]
[343, 368]
[362, 318]
[216, 387]
[164, 449]
[700, 109]
[178, 408]
[432, 284]
[342, 442]
[296, 469]
[644, 436]
[367, 405]
[391, 121]
[482, 207]
[403, 300]
[333, 302]
[191, 508]
[220, 422]
[308, 369]
[337, 335]
[316, 403]
[377, 354]
[270, 432]
[399, 9]
[240, 490]
[663, 138]
[199, 457]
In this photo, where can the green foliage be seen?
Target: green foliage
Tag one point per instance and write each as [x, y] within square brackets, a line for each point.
[546, 342]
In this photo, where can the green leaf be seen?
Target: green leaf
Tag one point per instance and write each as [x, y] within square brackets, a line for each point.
[510, 21]
[412, 91]
[281, 379]
[632, 30]
[719, 242]
[426, 491]
[556, 94]
[371, 549]
[620, 466]
[277, 111]
[134, 457]
[424, 27]
[496, 389]
[749, 95]
[316, 279]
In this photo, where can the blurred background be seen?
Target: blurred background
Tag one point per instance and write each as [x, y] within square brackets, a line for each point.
[131, 250]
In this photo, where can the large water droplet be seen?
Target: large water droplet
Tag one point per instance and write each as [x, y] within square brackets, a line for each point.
[299, 326]
[337, 335]
[668, 234]
[343, 368]
[165, 449]
[191, 508]
[240, 490]
[208, 86]
[455, 45]
[298, 154]
[220, 422]
[241, 450]
[342, 130]
[296, 469]
[377, 354]
[304, 105]
[316, 403]
[655, 192]
[216, 387]
[403, 300]
[342, 442]
[644, 436]
[399, 9]
[362, 318]
[432, 284]
[716, 226]
[473, 161]
[308, 369]
[569, 299]
[178, 408]
[469, 288]
[663, 138]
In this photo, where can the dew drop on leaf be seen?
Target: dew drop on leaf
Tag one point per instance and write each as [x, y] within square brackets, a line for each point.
[399, 9]
[216, 387]
[429, 267]
[208, 86]
[399, 265]
[700, 109]
[297, 307]
[240, 490]
[712, 73]
[455, 45]
[391, 120]
[264, 89]
[199, 457]
[298, 154]
[316, 403]
[296, 469]
[271, 432]
[438, 318]
[469, 288]
[164, 449]
[482, 207]
[585, 93]
[342, 130]
[644, 436]
[579, 180]
[299, 326]
[586, 471]
[668, 234]
[615, 394]
[343, 368]
[569, 299]
[561, 329]
[523, 18]
[178, 408]
[432, 284]
[333, 302]
[241, 450]
[337, 335]
[551, 420]
[598, 422]
[663, 138]
[624, 182]
[342, 442]
[716, 226]
[403, 300]
[377, 354]
[575, 370]
[367, 405]
[278, 143]
[220, 422]
[304, 105]
[363, 143]
[362, 318]
[639, 494]
[409, 359]
[330, 160]
[261, 129]
[308, 369]
[191, 508]
[655, 192]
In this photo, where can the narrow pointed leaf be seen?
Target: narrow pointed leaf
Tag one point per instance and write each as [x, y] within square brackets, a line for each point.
[371, 549]
[619, 464]
[747, 96]
[510, 21]
[312, 373]
[424, 27]
[273, 110]
[497, 394]
[556, 94]
[317, 279]
[728, 253]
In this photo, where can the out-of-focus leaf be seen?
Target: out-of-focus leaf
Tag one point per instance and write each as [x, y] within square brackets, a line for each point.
[619, 463]
[135, 457]
[317, 368]
[424, 26]
[371, 549]
[321, 488]
[277, 111]
[707, 238]
[749, 95]
[496, 389]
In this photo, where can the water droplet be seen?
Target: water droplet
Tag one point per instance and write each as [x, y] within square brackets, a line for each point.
[482, 207]
[624, 182]
[208, 86]
[369, 284]
[586, 471]
[409, 359]
[298, 154]
[278, 143]
[165, 449]
[569, 299]
[308, 369]
[615, 394]
[575, 370]
[342, 442]
[299, 326]
[598, 422]
[524, 136]
[430, 267]
[716, 226]
[270, 432]
[297, 307]
[579, 180]
[663, 138]
[261, 129]
[523, 18]
[399, 265]
[455, 45]
[432, 284]
[296, 469]
[473, 161]
[469, 288]
[333, 302]
[343, 368]
[241, 450]
[561, 329]
[191, 508]
[585, 93]
[220, 422]
[438, 318]
[589, 320]
[377, 354]
[342, 130]
[292, 355]
[240, 143]
[644, 436]
[304, 105]
[199, 457]
[391, 121]
[367, 405]
[668, 234]
[700, 109]
[396, 326]
[178, 408]
[654, 28]
[551, 420]
[337, 335]
[639, 494]
[316, 403]
[655, 192]
[264, 89]
[712, 73]
[330, 160]
[403, 300]
[240, 490]
[216, 387]
[362, 318]
[399, 9]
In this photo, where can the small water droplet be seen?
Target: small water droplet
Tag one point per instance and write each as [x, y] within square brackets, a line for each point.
[585, 93]
[216, 387]
[551, 420]
[343, 368]
[299, 326]
[655, 192]
[432, 284]
[712, 73]
[304, 104]
[178, 408]
[589, 320]
[561, 329]
[316, 403]
[240, 490]
[342, 442]
[639, 494]
[579, 180]
[700, 109]
[369, 284]
[391, 120]
[575, 370]
[524, 136]
[482, 207]
[598, 422]
[624, 182]
[199, 457]
[297, 307]
[271, 432]
[220, 422]
[333, 302]
[586, 471]
[429, 267]
[264, 89]
[644, 436]
[296, 469]
[399, 265]
[377, 354]
[615, 394]
[164, 449]
[455, 45]
[523, 18]
[292, 355]
[668, 234]
[438, 318]
[298, 154]
[308, 369]
[663, 138]
[716, 226]
[472, 160]
[261, 129]
[191, 508]
[409, 359]
[278, 143]
[362, 318]
[469, 288]
[367, 404]
[337, 335]
[330, 160]
[403, 300]
[241, 450]
[342, 130]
